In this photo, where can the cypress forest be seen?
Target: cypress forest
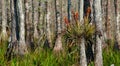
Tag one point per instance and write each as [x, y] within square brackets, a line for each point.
[59, 32]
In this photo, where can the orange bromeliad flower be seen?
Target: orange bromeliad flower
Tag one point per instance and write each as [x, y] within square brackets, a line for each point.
[76, 15]
[88, 11]
[66, 21]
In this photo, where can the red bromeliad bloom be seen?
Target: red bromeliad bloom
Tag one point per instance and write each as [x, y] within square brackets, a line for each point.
[76, 15]
[88, 11]
[66, 21]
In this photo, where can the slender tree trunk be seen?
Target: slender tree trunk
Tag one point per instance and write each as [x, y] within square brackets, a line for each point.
[35, 21]
[0, 13]
[64, 12]
[99, 32]
[41, 18]
[118, 22]
[13, 44]
[58, 42]
[22, 44]
[4, 21]
[81, 11]
[28, 23]
[14, 19]
[83, 61]
[110, 19]
[48, 22]
[104, 15]
[8, 15]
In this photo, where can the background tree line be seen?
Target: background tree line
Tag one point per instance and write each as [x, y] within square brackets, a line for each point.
[29, 24]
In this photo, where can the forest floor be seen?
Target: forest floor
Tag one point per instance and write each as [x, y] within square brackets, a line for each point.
[46, 57]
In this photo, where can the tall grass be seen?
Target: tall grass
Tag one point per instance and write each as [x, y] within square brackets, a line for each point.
[46, 57]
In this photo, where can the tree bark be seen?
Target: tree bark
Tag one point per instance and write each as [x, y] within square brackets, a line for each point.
[110, 19]
[99, 32]
[4, 21]
[64, 12]
[58, 42]
[48, 22]
[118, 22]
[28, 23]
[13, 44]
[104, 15]
[22, 45]
[35, 21]
[83, 61]
[81, 11]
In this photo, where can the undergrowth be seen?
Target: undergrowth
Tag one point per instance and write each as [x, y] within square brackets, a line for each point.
[46, 57]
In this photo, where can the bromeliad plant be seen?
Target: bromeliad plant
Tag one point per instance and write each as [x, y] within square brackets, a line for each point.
[76, 29]
[74, 32]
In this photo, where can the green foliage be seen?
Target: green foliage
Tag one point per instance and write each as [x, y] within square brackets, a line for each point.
[42, 57]
[75, 30]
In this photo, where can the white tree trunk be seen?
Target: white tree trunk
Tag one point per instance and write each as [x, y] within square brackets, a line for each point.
[48, 23]
[81, 10]
[4, 20]
[22, 44]
[98, 21]
[83, 61]
[35, 3]
[118, 22]
[58, 42]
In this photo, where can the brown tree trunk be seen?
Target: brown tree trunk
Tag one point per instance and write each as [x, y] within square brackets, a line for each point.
[110, 19]
[64, 12]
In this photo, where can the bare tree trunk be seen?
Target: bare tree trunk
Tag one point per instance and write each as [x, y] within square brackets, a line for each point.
[28, 23]
[81, 10]
[13, 45]
[110, 19]
[35, 21]
[14, 19]
[58, 42]
[22, 45]
[48, 22]
[118, 22]
[4, 21]
[64, 12]
[8, 15]
[0, 13]
[104, 15]
[83, 61]
[99, 32]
